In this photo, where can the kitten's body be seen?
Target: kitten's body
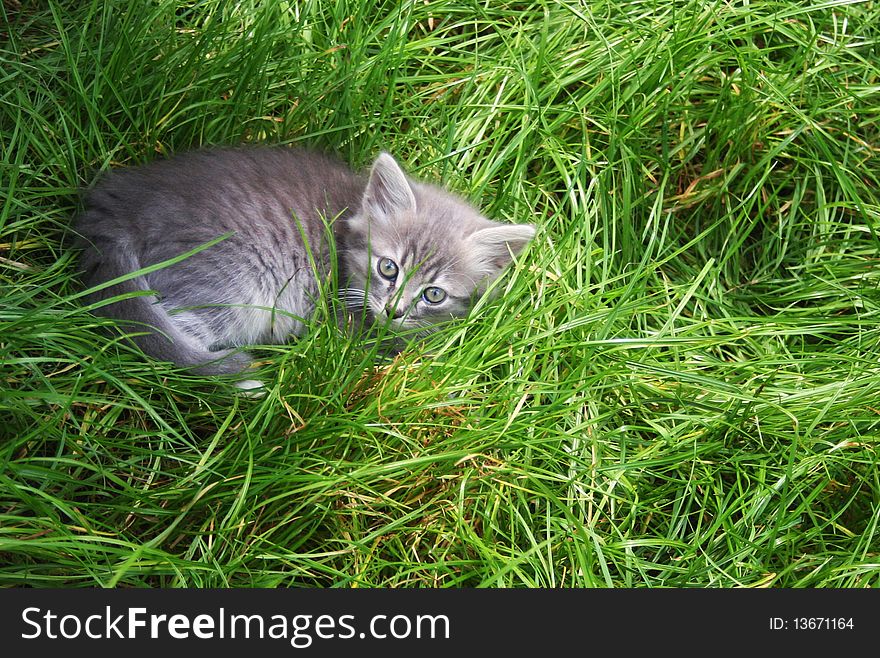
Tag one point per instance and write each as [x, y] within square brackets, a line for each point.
[256, 285]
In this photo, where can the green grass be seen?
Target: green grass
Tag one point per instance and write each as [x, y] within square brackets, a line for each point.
[678, 387]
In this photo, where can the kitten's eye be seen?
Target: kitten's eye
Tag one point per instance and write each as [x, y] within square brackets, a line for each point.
[387, 268]
[434, 295]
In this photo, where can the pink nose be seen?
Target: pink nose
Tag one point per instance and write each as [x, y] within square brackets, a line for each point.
[393, 312]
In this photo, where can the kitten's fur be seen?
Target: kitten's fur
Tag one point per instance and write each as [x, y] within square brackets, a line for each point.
[253, 286]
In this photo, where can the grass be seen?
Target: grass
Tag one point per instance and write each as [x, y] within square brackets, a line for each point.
[679, 385]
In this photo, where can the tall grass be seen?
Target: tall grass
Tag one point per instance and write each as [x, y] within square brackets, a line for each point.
[678, 386]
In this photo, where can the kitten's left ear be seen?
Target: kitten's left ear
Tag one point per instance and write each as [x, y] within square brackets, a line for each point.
[493, 248]
[388, 191]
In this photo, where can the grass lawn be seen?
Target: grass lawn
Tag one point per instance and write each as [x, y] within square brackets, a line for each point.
[679, 385]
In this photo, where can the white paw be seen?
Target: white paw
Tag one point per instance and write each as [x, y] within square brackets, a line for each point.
[252, 388]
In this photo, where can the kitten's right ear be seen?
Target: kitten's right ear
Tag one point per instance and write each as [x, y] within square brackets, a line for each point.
[493, 248]
[388, 191]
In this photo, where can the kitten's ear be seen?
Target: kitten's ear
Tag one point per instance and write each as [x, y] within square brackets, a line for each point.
[493, 248]
[388, 191]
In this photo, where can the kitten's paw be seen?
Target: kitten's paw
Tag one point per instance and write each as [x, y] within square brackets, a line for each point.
[252, 388]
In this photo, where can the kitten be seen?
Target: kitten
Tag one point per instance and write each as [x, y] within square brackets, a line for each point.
[410, 254]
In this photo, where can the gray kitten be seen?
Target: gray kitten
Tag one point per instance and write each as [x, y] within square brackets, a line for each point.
[410, 254]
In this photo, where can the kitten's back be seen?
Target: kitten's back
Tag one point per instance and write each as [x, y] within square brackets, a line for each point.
[273, 203]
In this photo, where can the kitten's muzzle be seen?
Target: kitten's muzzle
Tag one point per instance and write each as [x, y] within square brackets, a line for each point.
[392, 312]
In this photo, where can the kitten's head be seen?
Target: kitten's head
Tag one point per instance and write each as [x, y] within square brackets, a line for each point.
[422, 254]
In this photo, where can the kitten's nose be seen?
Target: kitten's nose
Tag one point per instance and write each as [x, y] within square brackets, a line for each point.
[392, 312]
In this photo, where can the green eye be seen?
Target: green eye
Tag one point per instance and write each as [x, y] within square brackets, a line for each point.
[434, 295]
[387, 268]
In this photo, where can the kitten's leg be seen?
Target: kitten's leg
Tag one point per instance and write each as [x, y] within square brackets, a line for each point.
[200, 349]
[181, 338]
